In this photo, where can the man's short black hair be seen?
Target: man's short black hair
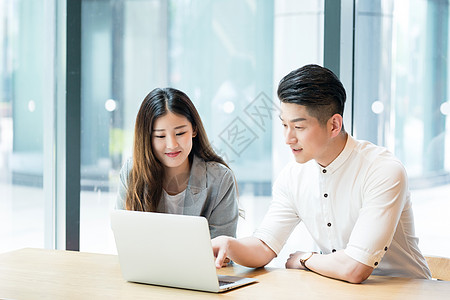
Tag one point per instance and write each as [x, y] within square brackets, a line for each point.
[315, 87]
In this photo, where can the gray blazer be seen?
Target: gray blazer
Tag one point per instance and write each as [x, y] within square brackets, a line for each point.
[211, 193]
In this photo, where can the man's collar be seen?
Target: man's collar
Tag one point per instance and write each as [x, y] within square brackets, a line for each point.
[350, 144]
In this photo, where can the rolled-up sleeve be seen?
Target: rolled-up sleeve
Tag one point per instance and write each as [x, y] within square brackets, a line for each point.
[281, 218]
[384, 196]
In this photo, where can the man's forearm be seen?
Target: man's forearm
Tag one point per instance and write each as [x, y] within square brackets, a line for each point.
[340, 266]
[250, 252]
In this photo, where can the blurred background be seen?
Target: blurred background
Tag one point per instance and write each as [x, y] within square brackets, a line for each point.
[228, 56]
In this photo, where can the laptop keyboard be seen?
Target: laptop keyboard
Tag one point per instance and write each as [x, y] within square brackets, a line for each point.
[222, 283]
[225, 280]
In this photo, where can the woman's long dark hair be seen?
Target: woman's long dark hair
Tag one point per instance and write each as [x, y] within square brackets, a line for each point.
[146, 177]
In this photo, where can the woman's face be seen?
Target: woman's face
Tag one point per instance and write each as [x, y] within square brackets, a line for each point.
[172, 141]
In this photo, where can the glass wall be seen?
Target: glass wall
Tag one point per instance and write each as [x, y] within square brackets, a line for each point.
[26, 123]
[401, 100]
[124, 56]
[230, 70]
[228, 56]
[226, 67]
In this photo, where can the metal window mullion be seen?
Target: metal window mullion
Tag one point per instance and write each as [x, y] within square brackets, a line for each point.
[339, 37]
[73, 124]
[49, 129]
[332, 35]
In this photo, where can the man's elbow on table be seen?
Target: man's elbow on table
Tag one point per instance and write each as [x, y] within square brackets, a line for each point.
[357, 272]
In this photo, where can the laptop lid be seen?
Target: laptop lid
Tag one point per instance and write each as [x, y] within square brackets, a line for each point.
[165, 249]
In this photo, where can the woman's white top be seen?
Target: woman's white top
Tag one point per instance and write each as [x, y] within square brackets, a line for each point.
[172, 204]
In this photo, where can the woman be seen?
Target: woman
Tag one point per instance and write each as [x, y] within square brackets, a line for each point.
[174, 168]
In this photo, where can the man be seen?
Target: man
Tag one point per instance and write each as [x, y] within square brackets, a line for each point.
[351, 195]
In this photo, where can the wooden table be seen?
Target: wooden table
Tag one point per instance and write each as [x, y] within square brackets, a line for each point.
[56, 274]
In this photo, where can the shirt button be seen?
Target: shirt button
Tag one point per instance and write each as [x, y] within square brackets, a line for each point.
[376, 263]
[329, 224]
[324, 171]
[334, 250]
[325, 195]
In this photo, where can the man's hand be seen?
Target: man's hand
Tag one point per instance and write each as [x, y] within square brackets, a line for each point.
[226, 262]
[220, 247]
[249, 251]
[293, 261]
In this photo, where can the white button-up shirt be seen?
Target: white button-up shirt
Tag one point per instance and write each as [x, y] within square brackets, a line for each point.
[360, 203]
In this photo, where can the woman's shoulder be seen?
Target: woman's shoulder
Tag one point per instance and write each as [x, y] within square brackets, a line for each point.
[126, 167]
[213, 168]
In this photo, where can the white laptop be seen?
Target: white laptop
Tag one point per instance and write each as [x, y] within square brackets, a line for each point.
[168, 250]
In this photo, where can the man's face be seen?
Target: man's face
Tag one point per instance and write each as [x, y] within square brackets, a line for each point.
[306, 137]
